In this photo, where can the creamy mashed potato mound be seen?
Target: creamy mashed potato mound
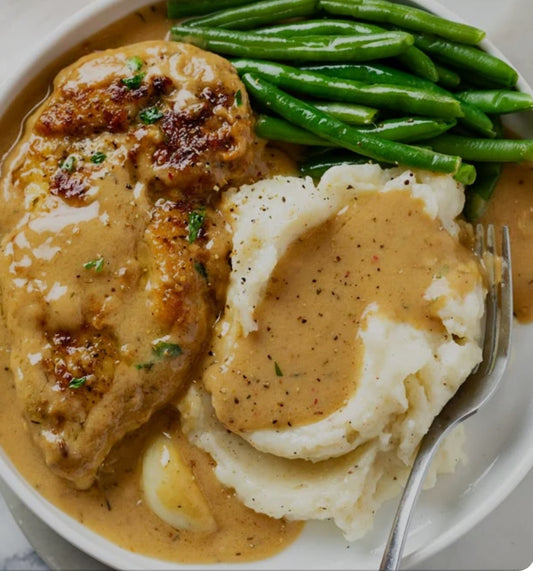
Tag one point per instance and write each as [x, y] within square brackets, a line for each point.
[340, 460]
[266, 218]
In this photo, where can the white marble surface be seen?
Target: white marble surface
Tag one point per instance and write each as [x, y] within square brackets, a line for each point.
[504, 540]
[16, 553]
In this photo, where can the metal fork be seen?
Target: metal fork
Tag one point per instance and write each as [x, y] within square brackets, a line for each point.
[474, 392]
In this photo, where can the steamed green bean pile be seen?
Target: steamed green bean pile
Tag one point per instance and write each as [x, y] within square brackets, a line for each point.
[374, 79]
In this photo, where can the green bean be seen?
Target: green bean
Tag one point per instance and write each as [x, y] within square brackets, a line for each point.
[478, 195]
[447, 77]
[183, 8]
[498, 101]
[466, 174]
[370, 73]
[319, 28]
[413, 58]
[316, 48]
[319, 123]
[404, 16]
[477, 120]
[275, 129]
[484, 150]
[498, 127]
[403, 98]
[316, 166]
[256, 14]
[348, 112]
[472, 116]
[419, 63]
[472, 80]
[469, 58]
[408, 129]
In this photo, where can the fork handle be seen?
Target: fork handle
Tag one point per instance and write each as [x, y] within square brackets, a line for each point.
[398, 534]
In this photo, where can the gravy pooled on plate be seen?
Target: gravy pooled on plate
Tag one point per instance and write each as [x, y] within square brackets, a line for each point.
[512, 204]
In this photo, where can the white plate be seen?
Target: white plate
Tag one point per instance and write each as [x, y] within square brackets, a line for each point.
[499, 438]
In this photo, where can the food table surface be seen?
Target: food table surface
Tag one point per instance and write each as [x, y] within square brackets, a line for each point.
[503, 541]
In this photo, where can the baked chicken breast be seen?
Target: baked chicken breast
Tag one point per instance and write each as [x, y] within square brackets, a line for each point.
[114, 256]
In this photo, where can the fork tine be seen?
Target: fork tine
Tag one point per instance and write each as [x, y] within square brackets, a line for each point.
[479, 247]
[506, 296]
[491, 263]
[499, 303]
[491, 239]
[485, 249]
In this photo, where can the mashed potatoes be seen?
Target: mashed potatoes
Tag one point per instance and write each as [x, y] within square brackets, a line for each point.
[348, 489]
[353, 315]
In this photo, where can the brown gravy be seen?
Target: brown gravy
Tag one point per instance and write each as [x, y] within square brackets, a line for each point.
[512, 204]
[324, 283]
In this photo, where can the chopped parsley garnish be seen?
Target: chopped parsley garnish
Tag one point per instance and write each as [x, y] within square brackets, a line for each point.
[77, 382]
[135, 81]
[166, 350]
[238, 98]
[277, 369]
[134, 63]
[196, 221]
[96, 265]
[98, 158]
[69, 164]
[200, 269]
[150, 115]
[144, 366]
[161, 350]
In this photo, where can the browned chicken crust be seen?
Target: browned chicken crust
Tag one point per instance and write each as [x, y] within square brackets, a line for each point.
[115, 259]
